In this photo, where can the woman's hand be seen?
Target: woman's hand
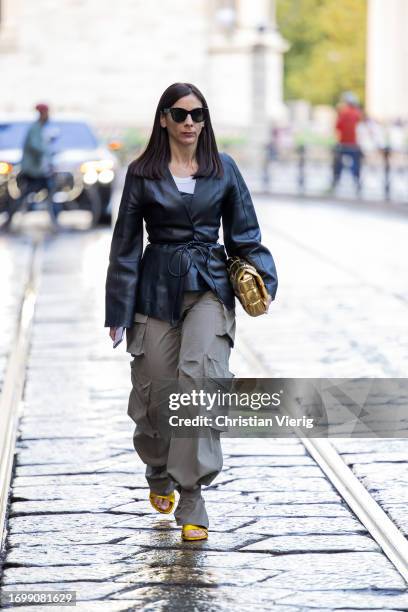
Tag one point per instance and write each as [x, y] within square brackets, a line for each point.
[112, 332]
[268, 302]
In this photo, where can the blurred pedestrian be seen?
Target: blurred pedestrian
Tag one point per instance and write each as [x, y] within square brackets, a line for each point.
[36, 166]
[175, 299]
[348, 117]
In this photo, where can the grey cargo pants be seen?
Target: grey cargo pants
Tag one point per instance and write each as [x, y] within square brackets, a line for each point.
[199, 346]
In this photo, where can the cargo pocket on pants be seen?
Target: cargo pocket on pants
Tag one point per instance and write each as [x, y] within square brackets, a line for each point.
[219, 352]
[216, 368]
[228, 326]
[216, 365]
[135, 335]
[141, 384]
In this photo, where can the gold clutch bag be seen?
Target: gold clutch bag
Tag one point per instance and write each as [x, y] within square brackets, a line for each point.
[248, 286]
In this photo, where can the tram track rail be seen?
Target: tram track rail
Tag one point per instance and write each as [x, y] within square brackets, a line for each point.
[11, 397]
[388, 536]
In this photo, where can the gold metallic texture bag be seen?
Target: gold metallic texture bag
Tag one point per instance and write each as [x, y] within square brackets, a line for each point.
[248, 286]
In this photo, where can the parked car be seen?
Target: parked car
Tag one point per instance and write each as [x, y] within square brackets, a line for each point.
[79, 159]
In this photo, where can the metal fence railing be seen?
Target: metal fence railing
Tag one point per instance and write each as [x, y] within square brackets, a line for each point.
[307, 171]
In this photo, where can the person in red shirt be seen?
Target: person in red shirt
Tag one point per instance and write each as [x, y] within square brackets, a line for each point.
[348, 117]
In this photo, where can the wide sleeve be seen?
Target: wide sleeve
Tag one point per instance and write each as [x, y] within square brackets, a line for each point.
[242, 235]
[124, 257]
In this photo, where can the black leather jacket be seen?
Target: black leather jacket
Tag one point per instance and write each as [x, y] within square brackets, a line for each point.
[152, 282]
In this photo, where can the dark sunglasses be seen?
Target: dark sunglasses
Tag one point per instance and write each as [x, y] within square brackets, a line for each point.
[179, 114]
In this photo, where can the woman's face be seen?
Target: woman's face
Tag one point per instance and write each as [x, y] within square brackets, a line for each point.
[186, 132]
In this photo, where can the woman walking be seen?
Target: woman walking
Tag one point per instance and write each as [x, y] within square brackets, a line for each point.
[175, 299]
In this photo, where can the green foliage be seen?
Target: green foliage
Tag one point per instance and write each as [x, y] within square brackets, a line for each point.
[327, 54]
[133, 139]
[227, 142]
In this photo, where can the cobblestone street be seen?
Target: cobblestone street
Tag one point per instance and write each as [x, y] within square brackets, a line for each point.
[14, 264]
[281, 537]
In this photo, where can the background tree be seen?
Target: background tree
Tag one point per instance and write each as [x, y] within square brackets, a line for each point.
[328, 48]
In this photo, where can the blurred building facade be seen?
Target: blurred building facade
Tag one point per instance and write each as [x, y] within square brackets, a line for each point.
[111, 61]
[387, 55]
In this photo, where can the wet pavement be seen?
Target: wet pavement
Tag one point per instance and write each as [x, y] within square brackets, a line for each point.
[280, 537]
[14, 266]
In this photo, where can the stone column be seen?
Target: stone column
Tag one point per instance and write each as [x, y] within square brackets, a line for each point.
[8, 25]
[246, 74]
[387, 53]
[252, 14]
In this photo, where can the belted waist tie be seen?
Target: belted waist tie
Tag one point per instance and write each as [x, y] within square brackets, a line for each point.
[204, 248]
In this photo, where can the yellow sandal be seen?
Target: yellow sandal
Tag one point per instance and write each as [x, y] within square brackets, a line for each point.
[187, 528]
[171, 498]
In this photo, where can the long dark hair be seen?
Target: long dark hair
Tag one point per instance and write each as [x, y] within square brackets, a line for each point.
[154, 160]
